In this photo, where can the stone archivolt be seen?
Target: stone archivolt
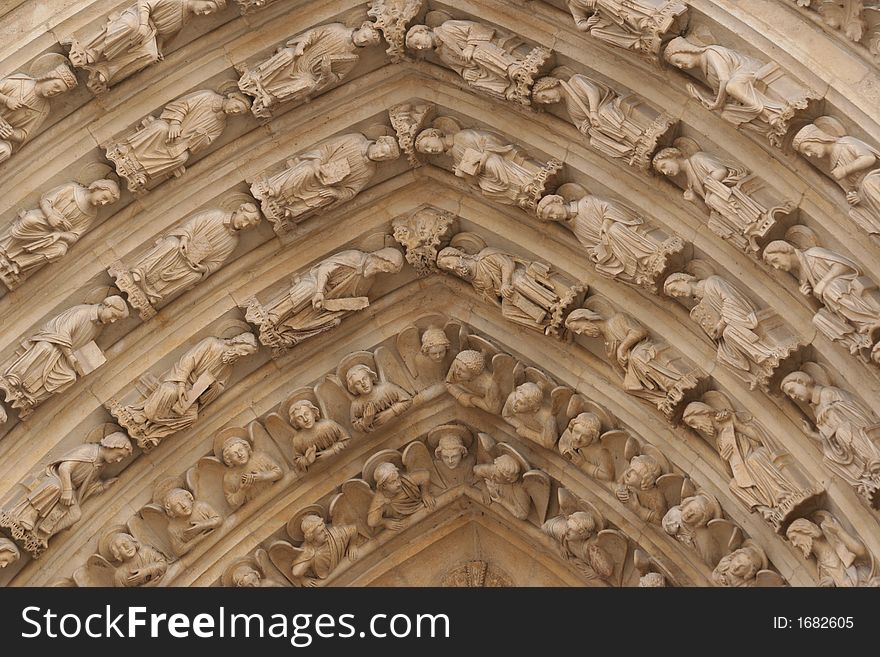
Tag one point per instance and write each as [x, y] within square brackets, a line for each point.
[489, 71]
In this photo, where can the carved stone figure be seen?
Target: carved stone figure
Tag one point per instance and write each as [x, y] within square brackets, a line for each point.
[529, 293]
[850, 162]
[133, 562]
[742, 209]
[620, 127]
[851, 313]
[473, 384]
[502, 171]
[734, 324]
[43, 235]
[334, 171]
[579, 443]
[638, 25]
[532, 412]
[398, 496]
[190, 521]
[252, 571]
[453, 460]
[172, 404]
[648, 368]
[489, 59]
[50, 361]
[428, 354]
[53, 500]
[375, 402]
[613, 235]
[316, 438]
[306, 65]
[248, 472]
[688, 523]
[24, 104]
[508, 479]
[848, 430]
[9, 553]
[420, 233]
[760, 480]
[133, 39]
[160, 148]
[745, 567]
[750, 93]
[184, 257]
[320, 298]
[638, 487]
[857, 19]
[842, 559]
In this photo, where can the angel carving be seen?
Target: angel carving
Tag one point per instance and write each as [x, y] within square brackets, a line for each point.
[303, 425]
[597, 552]
[508, 479]
[428, 349]
[252, 571]
[482, 376]
[580, 443]
[122, 561]
[318, 548]
[697, 523]
[746, 567]
[535, 408]
[842, 560]
[451, 445]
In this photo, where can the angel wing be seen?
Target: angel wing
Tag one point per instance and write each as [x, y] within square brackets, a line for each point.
[622, 447]
[651, 450]
[478, 343]
[337, 402]
[675, 488]
[282, 434]
[537, 485]
[150, 526]
[506, 371]
[726, 535]
[262, 442]
[543, 381]
[417, 457]
[409, 345]
[560, 398]
[390, 369]
[486, 448]
[96, 572]
[616, 547]
[769, 579]
[571, 191]
[351, 505]
[570, 503]
[282, 555]
[205, 480]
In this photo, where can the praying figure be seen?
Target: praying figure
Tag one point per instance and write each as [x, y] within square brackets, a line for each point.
[133, 39]
[134, 563]
[473, 384]
[190, 521]
[398, 496]
[44, 235]
[306, 65]
[248, 472]
[579, 443]
[375, 402]
[316, 438]
[161, 147]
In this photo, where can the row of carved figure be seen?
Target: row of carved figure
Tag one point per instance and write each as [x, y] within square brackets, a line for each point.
[859, 20]
[370, 389]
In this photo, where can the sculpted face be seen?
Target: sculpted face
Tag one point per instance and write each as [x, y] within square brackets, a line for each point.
[116, 454]
[365, 36]
[694, 511]
[450, 450]
[101, 197]
[420, 40]
[436, 353]
[635, 474]
[316, 534]
[246, 577]
[361, 382]
[51, 87]
[679, 289]
[303, 417]
[812, 149]
[244, 218]
[668, 167]
[108, 314]
[779, 260]
[741, 565]
[582, 435]
[392, 483]
[548, 96]
[797, 391]
[123, 547]
[526, 400]
[180, 504]
[237, 453]
[430, 144]
[381, 150]
[203, 7]
[684, 60]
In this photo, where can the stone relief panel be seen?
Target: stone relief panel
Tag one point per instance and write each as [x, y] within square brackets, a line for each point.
[333, 171]
[133, 39]
[160, 406]
[160, 148]
[43, 235]
[52, 359]
[847, 430]
[848, 161]
[751, 94]
[122, 560]
[24, 100]
[841, 559]
[184, 257]
[763, 477]
[742, 208]
[751, 342]
[641, 26]
[320, 298]
[621, 127]
[305, 66]
[850, 312]
[859, 20]
[492, 61]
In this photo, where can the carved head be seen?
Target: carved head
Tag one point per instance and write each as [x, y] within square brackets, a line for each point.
[246, 216]
[683, 54]
[668, 161]
[552, 208]
[314, 530]
[811, 141]
[206, 7]
[584, 430]
[112, 309]
[430, 141]
[652, 580]
[680, 285]
[435, 344]
[802, 533]
[9, 553]
[451, 450]
[123, 547]
[56, 81]
[360, 380]
[527, 398]
[466, 366]
[383, 149]
[799, 386]
[245, 576]
[458, 262]
[243, 344]
[236, 451]
[697, 511]
[507, 469]
[419, 38]
[178, 503]
[699, 417]
[546, 91]
[117, 446]
[365, 35]
[303, 414]
[236, 103]
[643, 472]
[384, 261]
[584, 321]
[739, 567]
[103, 192]
[387, 478]
[579, 526]
[781, 255]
